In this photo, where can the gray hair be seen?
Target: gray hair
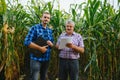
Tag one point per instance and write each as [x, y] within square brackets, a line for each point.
[70, 22]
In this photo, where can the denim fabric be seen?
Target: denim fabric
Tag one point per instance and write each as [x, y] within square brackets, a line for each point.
[38, 69]
[68, 68]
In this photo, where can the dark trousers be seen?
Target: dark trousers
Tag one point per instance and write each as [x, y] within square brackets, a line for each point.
[68, 68]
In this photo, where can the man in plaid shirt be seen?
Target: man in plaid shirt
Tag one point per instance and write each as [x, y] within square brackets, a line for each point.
[68, 63]
[40, 64]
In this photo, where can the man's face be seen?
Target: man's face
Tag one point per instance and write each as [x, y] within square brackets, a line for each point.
[45, 18]
[69, 28]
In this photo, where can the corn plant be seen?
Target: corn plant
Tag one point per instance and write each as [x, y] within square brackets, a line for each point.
[99, 26]
[98, 17]
[12, 56]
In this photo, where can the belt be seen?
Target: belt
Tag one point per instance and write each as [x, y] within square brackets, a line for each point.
[67, 59]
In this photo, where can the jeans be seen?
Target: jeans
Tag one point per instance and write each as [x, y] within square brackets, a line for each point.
[38, 68]
[68, 68]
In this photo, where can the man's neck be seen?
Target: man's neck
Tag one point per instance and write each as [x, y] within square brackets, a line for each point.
[69, 34]
[44, 25]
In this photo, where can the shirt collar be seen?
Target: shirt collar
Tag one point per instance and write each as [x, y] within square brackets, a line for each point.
[72, 33]
[43, 27]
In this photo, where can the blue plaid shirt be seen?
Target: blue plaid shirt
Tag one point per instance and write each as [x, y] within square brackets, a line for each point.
[33, 34]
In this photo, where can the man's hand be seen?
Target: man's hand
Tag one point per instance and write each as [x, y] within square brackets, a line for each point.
[43, 49]
[69, 45]
[37, 47]
[49, 43]
[76, 48]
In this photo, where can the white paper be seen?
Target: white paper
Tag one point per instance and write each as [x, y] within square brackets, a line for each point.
[64, 41]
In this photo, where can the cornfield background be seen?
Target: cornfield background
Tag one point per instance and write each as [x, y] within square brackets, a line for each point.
[99, 26]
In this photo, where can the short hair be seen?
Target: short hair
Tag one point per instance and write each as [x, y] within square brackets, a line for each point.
[46, 12]
[70, 22]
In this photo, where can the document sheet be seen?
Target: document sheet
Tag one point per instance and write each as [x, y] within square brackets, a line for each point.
[64, 41]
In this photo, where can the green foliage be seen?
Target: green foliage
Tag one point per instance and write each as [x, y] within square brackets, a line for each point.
[3, 7]
[97, 22]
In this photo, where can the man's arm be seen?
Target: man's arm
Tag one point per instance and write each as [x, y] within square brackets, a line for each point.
[75, 48]
[78, 49]
[37, 47]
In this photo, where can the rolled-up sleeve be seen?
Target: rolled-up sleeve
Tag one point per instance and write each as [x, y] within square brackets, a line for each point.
[29, 37]
[58, 41]
[81, 42]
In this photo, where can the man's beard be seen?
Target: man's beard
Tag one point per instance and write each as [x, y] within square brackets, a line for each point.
[45, 22]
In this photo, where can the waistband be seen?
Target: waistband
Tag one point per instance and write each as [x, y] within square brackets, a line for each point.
[67, 59]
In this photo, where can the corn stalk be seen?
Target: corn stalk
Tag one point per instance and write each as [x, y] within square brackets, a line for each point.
[9, 63]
